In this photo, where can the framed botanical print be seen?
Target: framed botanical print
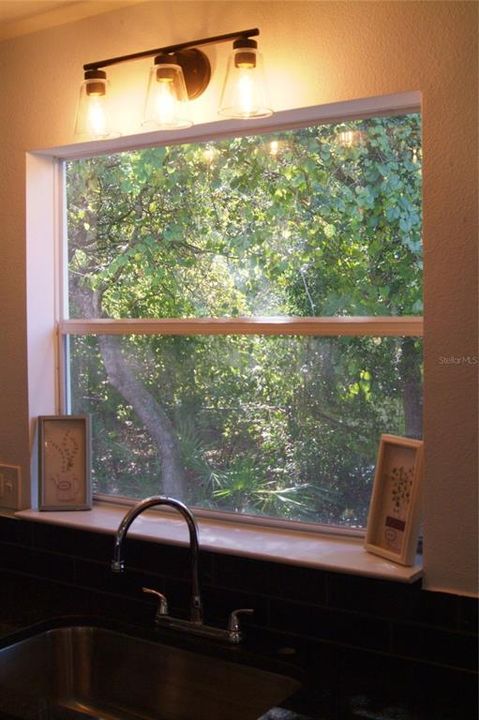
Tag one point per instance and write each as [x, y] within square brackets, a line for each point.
[395, 508]
[64, 481]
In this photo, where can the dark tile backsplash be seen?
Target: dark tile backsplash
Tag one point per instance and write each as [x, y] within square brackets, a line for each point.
[301, 605]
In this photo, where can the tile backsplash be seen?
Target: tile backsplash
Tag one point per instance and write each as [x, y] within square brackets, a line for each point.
[304, 606]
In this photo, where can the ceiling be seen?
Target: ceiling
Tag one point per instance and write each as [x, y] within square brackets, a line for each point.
[18, 17]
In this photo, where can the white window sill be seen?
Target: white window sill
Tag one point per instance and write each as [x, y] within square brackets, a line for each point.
[325, 552]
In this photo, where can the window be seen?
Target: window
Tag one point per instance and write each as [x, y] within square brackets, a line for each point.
[244, 315]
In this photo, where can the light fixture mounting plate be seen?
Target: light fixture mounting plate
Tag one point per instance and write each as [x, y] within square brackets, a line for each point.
[196, 70]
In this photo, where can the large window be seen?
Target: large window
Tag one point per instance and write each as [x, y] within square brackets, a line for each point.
[244, 315]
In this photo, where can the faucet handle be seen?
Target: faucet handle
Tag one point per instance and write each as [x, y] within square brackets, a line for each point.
[162, 609]
[234, 631]
[117, 566]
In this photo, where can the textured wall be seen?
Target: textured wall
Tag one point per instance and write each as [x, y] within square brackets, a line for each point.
[317, 52]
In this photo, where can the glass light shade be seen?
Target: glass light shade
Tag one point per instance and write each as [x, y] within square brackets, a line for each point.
[93, 115]
[244, 91]
[167, 98]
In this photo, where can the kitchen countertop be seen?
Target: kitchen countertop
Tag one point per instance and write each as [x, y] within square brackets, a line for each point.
[338, 686]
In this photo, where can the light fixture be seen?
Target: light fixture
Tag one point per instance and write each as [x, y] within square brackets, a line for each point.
[167, 95]
[93, 117]
[244, 90]
[180, 73]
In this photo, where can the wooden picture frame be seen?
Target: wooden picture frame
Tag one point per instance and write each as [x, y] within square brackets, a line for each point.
[64, 467]
[395, 508]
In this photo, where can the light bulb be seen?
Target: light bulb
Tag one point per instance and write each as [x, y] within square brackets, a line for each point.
[245, 92]
[165, 101]
[167, 97]
[97, 121]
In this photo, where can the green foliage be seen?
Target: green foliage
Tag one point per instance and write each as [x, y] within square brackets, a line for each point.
[271, 425]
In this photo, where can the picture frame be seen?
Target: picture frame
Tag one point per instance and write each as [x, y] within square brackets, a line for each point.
[10, 486]
[395, 507]
[64, 467]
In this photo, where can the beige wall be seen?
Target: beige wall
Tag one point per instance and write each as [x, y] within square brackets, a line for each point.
[317, 52]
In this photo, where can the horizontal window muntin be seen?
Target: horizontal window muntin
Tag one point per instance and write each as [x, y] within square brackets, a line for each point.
[374, 326]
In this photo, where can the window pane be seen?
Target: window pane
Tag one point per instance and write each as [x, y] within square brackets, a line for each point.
[323, 220]
[273, 425]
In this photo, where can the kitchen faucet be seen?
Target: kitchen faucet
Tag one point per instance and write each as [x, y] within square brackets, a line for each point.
[118, 564]
[195, 624]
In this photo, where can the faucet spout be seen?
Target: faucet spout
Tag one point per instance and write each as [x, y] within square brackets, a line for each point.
[118, 564]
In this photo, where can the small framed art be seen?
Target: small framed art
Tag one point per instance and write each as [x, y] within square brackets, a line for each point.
[64, 481]
[394, 511]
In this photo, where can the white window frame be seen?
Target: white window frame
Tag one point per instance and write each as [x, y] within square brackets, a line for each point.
[46, 240]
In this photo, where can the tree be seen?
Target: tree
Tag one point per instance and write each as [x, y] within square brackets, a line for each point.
[307, 226]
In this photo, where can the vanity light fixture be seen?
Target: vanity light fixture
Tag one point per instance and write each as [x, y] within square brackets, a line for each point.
[180, 73]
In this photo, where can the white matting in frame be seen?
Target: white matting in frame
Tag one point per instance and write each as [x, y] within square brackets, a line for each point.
[395, 509]
[64, 481]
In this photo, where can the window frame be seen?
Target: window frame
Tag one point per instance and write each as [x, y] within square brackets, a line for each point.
[397, 104]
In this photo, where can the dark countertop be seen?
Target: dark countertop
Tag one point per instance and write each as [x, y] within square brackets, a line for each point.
[340, 683]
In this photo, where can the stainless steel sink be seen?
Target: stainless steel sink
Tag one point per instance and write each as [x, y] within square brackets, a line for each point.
[75, 672]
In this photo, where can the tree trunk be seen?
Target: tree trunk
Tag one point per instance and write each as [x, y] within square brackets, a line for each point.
[410, 371]
[147, 408]
[149, 412]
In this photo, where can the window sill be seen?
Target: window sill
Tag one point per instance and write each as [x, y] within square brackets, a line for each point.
[326, 552]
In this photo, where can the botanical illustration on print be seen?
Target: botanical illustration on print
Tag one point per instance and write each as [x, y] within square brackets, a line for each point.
[400, 482]
[64, 464]
[66, 480]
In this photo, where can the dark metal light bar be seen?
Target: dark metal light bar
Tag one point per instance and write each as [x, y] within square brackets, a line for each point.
[171, 48]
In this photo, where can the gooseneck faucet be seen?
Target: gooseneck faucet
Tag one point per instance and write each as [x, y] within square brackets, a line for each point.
[118, 564]
[232, 634]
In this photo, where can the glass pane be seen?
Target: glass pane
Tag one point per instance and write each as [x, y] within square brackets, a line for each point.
[323, 220]
[280, 426]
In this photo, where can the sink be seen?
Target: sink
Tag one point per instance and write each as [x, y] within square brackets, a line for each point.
[84, 671]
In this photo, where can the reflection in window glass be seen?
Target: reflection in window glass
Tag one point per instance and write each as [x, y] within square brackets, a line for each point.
[324, 220]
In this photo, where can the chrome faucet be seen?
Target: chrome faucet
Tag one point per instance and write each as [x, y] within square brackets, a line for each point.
[118, 564]
[195, 625]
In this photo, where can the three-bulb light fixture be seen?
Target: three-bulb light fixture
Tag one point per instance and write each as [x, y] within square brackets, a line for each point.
[180, 73]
